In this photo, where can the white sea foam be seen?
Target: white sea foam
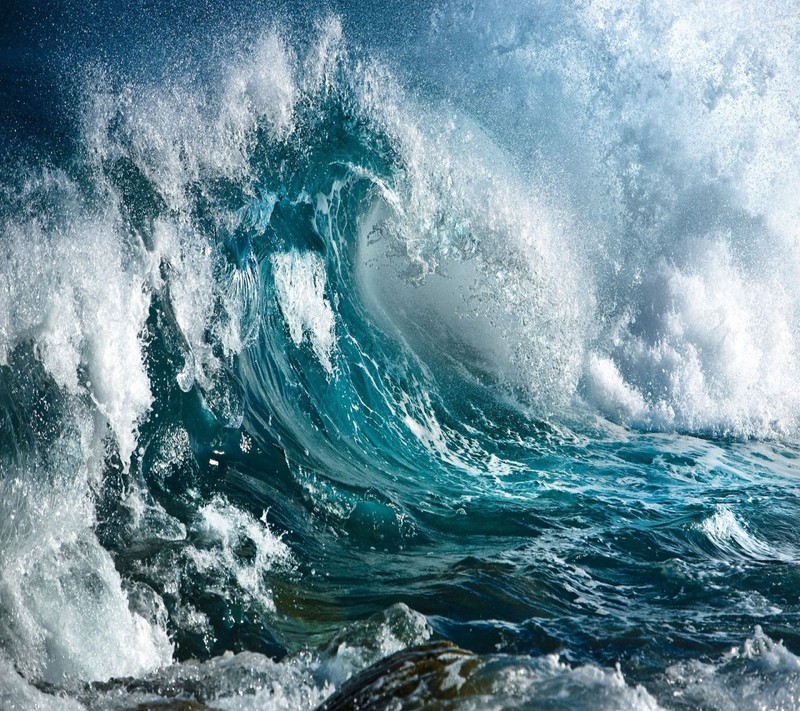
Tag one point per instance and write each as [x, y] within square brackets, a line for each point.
[448, 445]
[16, 694]
[716, 352]
[726, 531]
[758, 674]
[55, 298]
[225, 529]
[702, 117]
[469, 258]
[76, 297]
[77, 288]
[253, 682]
[260, 86]
[65, 612]
[300, 289]
[564, 686]
[667, 137]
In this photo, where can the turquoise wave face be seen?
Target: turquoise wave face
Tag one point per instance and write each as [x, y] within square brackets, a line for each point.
[352, 333]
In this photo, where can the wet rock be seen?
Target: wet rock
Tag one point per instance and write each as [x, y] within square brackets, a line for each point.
[411, 678]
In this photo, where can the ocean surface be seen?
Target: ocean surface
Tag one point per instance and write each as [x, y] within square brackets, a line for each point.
[332, 329]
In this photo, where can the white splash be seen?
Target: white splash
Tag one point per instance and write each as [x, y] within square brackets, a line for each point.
[300, 289]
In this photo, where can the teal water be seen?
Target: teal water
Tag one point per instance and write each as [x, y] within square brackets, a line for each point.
[331, 331]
